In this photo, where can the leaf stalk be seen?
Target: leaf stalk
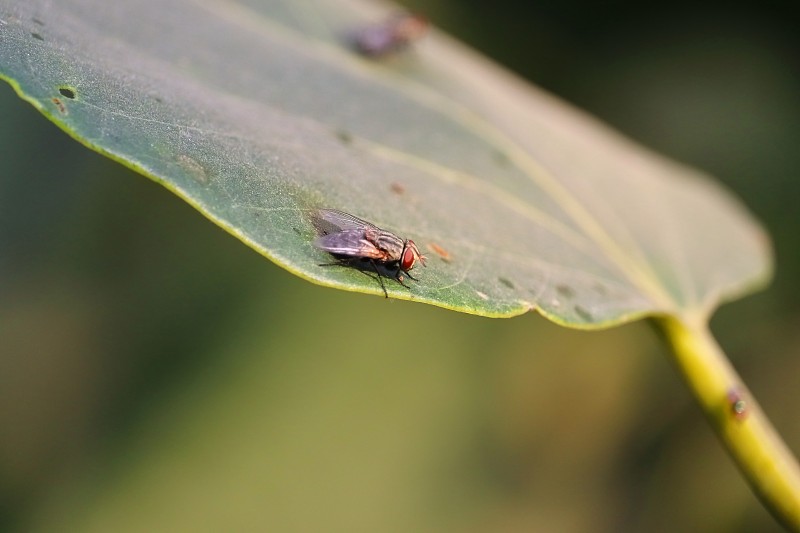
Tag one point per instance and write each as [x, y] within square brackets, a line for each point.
[755, 446]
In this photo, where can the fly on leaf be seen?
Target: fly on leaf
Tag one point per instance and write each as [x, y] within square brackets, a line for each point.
[360, 244]
[394, 35]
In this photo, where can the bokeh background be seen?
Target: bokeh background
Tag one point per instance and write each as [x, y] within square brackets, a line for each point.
[157, 375]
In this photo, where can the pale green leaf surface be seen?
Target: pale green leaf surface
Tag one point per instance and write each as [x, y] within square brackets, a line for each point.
[257, 111]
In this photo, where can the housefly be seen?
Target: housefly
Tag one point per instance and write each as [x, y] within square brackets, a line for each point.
[358, 243]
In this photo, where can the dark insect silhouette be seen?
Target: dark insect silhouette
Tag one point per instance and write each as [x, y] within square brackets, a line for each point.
[389, 37]
[357, 243]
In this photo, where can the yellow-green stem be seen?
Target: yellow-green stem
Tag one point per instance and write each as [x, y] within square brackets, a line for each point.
[756, 448]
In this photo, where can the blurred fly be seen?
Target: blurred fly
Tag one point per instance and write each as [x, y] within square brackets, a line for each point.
[393, 35]
[360, 244]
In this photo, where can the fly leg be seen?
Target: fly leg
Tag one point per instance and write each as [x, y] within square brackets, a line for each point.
[380, 279]
[398, 277]
[352, 264]
[410, 276]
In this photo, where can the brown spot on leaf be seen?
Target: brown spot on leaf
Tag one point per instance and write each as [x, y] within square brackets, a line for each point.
[59, 104]
[195, 169]
[441, 252]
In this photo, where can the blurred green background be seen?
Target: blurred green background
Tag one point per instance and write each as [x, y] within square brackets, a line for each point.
[157, 375]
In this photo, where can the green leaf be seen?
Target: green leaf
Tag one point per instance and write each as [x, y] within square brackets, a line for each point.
[255, 112]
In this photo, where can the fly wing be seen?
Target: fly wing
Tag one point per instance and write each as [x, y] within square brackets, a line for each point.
[329, 221]
[350, 243]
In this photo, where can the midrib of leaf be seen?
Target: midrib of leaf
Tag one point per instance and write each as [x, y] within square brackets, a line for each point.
[637, 270]
[470, 181]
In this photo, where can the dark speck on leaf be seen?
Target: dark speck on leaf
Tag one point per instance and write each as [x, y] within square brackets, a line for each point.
[583, 313]
[565, 291]
[601, 289]
[506, 282]
[344, 136]
[501, 159]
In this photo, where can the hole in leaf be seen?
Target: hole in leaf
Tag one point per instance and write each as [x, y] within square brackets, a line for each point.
[67, 92]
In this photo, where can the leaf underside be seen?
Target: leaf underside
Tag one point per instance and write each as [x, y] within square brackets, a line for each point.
[256, 112]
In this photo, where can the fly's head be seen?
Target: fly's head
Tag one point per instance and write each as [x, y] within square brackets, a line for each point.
[410, 256]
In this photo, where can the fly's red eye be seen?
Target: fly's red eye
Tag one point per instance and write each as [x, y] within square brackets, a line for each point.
[409, 257]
